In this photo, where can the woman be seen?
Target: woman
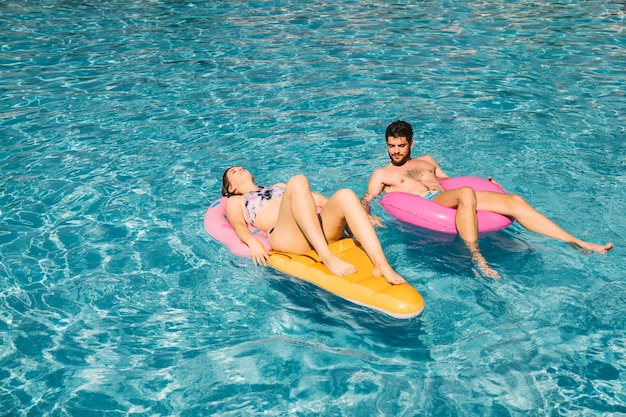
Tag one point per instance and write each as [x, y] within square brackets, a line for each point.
[288, 214]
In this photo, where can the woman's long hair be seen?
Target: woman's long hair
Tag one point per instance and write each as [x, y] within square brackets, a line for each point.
[226, 184]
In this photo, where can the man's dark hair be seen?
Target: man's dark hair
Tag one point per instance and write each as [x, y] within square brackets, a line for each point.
[400, 128]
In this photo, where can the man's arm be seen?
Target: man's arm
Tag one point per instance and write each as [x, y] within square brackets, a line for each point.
[366, 199]
[375, 187]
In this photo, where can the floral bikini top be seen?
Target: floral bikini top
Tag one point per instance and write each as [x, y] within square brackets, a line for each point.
[254, 200]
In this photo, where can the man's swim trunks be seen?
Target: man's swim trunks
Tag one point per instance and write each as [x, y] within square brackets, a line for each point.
[432, 194]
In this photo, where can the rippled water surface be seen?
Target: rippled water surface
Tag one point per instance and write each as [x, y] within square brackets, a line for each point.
[117, 119]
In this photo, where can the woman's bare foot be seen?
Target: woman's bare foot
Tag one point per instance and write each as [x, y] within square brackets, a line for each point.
[589, 247]
[338, 267]
[389, 274]
[483, 266]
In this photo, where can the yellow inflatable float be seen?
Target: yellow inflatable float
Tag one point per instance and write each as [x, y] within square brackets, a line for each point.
[399, 301]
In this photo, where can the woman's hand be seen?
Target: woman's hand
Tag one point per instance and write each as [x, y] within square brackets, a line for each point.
[259, 255]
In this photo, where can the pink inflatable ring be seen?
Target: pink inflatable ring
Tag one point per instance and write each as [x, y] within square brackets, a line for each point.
[216, 223]
[424, 213]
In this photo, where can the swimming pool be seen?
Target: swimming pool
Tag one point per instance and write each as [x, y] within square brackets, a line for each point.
[118, 119]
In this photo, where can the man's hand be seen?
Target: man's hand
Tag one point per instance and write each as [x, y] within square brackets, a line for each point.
[376, 221]
[490, 179]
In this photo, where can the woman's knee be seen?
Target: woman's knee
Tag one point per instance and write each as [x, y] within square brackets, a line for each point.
[299, 181]
[346, 195]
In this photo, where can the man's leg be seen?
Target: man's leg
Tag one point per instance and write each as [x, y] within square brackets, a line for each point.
[465, 201]
[515, 206]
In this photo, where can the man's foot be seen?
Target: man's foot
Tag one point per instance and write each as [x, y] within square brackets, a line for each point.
[480, 261]
[588, 247]
[339, 267]
[389, 274]
[484, 268]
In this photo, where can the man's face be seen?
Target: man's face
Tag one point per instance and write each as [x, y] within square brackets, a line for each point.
[399, 150]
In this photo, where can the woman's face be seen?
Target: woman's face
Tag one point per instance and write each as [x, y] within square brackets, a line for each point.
[237, 176]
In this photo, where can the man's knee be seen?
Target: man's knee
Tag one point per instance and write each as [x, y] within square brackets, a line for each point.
[466, 196]
[517, 200]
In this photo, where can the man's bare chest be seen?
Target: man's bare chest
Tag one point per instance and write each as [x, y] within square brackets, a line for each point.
[419, 171]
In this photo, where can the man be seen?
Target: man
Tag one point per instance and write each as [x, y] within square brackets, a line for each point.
[421, 175]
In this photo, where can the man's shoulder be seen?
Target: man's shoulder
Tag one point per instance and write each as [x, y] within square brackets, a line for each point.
[389, 171]
[425, 157]
[387, 168]
[420, 160]
[379, 172]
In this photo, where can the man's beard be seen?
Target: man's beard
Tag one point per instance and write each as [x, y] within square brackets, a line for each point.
[401, 162]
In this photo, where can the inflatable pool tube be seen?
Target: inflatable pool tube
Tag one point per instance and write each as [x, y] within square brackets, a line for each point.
[422, 212]
[217, 225]
[362, 288]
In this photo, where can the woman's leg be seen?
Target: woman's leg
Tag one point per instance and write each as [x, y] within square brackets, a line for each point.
[515, 206]
[298, 227]
[345, 207]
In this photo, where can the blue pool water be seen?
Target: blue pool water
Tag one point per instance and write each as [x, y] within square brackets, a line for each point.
[117, 119]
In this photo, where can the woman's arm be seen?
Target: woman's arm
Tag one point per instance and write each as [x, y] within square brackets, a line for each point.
[234, 214]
